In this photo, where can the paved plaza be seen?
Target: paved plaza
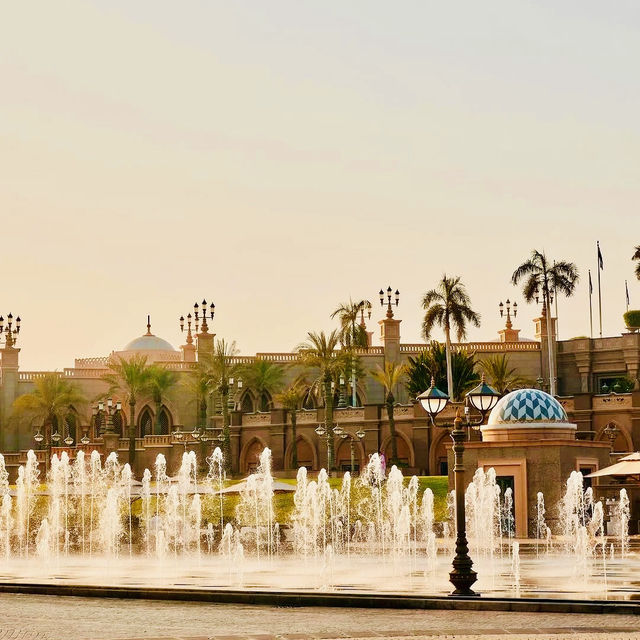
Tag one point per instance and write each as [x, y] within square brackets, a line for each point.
[27, 617]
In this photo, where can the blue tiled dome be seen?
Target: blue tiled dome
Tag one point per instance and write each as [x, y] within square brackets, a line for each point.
[527, 406]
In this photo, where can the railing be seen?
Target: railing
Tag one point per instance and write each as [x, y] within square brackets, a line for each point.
[477, 346]
[92, 363]
[157, 440]
[278, 357]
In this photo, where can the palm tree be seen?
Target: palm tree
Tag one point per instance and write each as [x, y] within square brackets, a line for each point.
[199, 383]
[291, 399]
[50, 402]
[389, 377]
[502, 377]
[636, 256]
[264, 378]
[129, 377]
[432, 363]
[352, 334]
[448, 306]
[319, 353]
[221, 367]
[546, 278]
[160, 383]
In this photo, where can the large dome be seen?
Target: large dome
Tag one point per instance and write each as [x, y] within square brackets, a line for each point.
[148, 342]
[527, 406]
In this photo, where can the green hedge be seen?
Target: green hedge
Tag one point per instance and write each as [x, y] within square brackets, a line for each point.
[632, 319]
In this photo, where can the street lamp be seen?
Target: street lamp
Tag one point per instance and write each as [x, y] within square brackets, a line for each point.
[482, 398]
[51, 442]
[10, 330]
[611, 432]
[390, 294]
[353, 438]
[198, 319]
[108, 411]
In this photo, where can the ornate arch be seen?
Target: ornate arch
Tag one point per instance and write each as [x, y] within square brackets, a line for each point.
[404, 437]
[246, 450]
[288, 454]
[622, 433]
[146, 420]
[360, 455]
[433, 449]
[247, 402]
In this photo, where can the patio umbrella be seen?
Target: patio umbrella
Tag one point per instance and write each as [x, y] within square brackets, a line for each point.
[627, 466]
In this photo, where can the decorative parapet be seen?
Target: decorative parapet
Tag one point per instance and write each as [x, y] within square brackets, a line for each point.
[568, 404]
[611, 401]
[477, 346]
[306, 417]
[157, 440]
[92, 363]
[345, 415]
[256, 418]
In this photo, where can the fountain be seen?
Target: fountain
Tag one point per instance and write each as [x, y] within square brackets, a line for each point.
[375, 532]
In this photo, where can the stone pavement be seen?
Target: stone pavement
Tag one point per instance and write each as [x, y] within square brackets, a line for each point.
[28, 617]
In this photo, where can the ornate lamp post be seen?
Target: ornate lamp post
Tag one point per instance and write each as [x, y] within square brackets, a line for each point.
[10, 330]
[199, 319]
[482, 398]
[353, 438]
[51, 442]
[108, 411]
[611, 431]
[390, 294]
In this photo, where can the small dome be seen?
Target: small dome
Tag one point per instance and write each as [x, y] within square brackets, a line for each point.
[526, 406]
[148, 342]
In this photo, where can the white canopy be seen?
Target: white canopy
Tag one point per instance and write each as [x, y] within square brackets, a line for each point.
[627, 466]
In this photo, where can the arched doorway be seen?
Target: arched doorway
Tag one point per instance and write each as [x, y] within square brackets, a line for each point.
[250, 457]
[246, 405]
[438, 461]
[306, 455]
[622, 443]
[343, 455]
[405, 451]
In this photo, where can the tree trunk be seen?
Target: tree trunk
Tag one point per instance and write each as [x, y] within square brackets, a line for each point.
[447, 333]
[226, 442]
[203, 414]
[158, 428]
[392, 428]
[328, 417]
[132, 433]
[294, 439]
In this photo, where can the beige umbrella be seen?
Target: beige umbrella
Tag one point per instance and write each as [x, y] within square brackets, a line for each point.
[278, 487]
[627, 466]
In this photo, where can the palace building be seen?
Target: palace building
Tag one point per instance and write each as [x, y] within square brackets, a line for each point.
[587, 371]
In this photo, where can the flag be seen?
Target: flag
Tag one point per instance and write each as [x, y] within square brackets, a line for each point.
[626, 288]
[590, 283]
[600, 261]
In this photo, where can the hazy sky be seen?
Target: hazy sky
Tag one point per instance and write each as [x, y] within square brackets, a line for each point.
[278, 157]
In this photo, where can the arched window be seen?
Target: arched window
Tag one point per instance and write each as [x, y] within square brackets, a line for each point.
[118, 423]
[265, 402]
[146, 422]
[246, 405]
[70, 425]
[165, 421]
[309, 400]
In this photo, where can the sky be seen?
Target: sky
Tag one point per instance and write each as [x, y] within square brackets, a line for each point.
[279, 157]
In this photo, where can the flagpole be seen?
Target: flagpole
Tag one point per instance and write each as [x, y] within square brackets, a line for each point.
[599, 288]
[590, 306]
[626, 292]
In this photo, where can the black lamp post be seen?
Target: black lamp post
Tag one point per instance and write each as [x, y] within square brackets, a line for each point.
[482, 398]
[353, 438]
[107, 411]
[389, 295]
[10, 330]
[53, 440]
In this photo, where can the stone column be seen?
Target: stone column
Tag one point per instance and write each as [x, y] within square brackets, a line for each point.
[277, 442]
[9, 368]
[390, 338]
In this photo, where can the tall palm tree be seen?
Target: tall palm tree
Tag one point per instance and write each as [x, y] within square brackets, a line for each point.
[389, 377]
[264, 378]
[222, 367]
[318, 352]
[432, 363]
[129, 377]
[541, 276]
[352, 334]
[161, 381]
[636, 256]
[448, 306]
[50, 402]
[501, 376]
[291, 399]
[199, 383]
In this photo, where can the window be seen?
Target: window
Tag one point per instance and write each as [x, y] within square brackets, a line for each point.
[146, 423]
[246, 405]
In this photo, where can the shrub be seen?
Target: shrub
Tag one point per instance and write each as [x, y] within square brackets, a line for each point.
[632, 319]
